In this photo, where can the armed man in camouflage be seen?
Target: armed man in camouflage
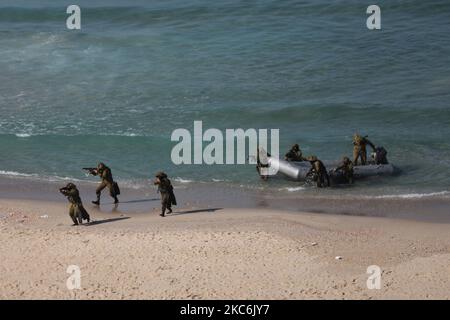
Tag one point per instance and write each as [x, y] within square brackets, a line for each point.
[167, 195]
[76, 209]
[359, 148]
[106, 181]
[346, 167]
[319, 172]
[295, 154]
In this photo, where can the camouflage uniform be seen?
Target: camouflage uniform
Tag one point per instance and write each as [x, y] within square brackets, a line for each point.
[107, 181]
[167, 195]
[295, 154]
[346, 167]
[359, 149]
[320, 172]
[380, 156]
[76, 210]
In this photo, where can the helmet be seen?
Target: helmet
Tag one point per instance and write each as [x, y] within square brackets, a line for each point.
[296, 147]
[161, 174]
[357, 138]
[70, 185]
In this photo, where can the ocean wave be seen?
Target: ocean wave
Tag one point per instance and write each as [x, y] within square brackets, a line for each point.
[327, 113]
[411, 195]
[181, 180]
[293, 189]
[128, 134]
[155, 11]
[81, 134]
[38, 177]
[16, 174]
[57, 179]
[143, 14]
[134, 184]
[23, 135]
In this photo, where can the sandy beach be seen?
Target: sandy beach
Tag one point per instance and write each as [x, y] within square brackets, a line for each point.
[217, 253]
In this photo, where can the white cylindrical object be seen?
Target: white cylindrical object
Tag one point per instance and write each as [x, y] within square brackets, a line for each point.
[288, 169]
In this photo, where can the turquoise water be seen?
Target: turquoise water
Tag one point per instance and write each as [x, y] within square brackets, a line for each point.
[137, 70]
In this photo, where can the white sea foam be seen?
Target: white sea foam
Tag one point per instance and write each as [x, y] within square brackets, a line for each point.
[123, 134]
[16, 174]
[23, 135]
[56, 179]
[181, 180]
[134, 184]
[294, 189]
[39, 177]
[21, 94]
[412, 195]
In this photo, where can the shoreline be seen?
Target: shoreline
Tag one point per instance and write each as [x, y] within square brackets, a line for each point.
[218, 253]
[215, 195]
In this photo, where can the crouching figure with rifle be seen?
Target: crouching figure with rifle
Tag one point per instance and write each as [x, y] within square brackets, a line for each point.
[76, 210]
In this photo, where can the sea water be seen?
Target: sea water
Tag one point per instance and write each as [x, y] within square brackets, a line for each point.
[115, 90]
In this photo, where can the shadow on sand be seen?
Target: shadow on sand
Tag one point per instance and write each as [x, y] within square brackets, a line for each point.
[93, 223]
[138, 201]
[193, 211]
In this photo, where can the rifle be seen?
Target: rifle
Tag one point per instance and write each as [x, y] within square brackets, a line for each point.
[64, 190]
[92, 171]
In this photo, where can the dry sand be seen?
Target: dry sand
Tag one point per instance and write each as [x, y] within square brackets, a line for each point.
[218, 254]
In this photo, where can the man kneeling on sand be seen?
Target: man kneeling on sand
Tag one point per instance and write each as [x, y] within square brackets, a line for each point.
[166, 189]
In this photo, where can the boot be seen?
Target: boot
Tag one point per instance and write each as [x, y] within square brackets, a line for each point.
[98, 200]
[74, 220]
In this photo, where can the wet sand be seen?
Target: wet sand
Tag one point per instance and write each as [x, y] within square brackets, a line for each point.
[213, 195]
[213, 252]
